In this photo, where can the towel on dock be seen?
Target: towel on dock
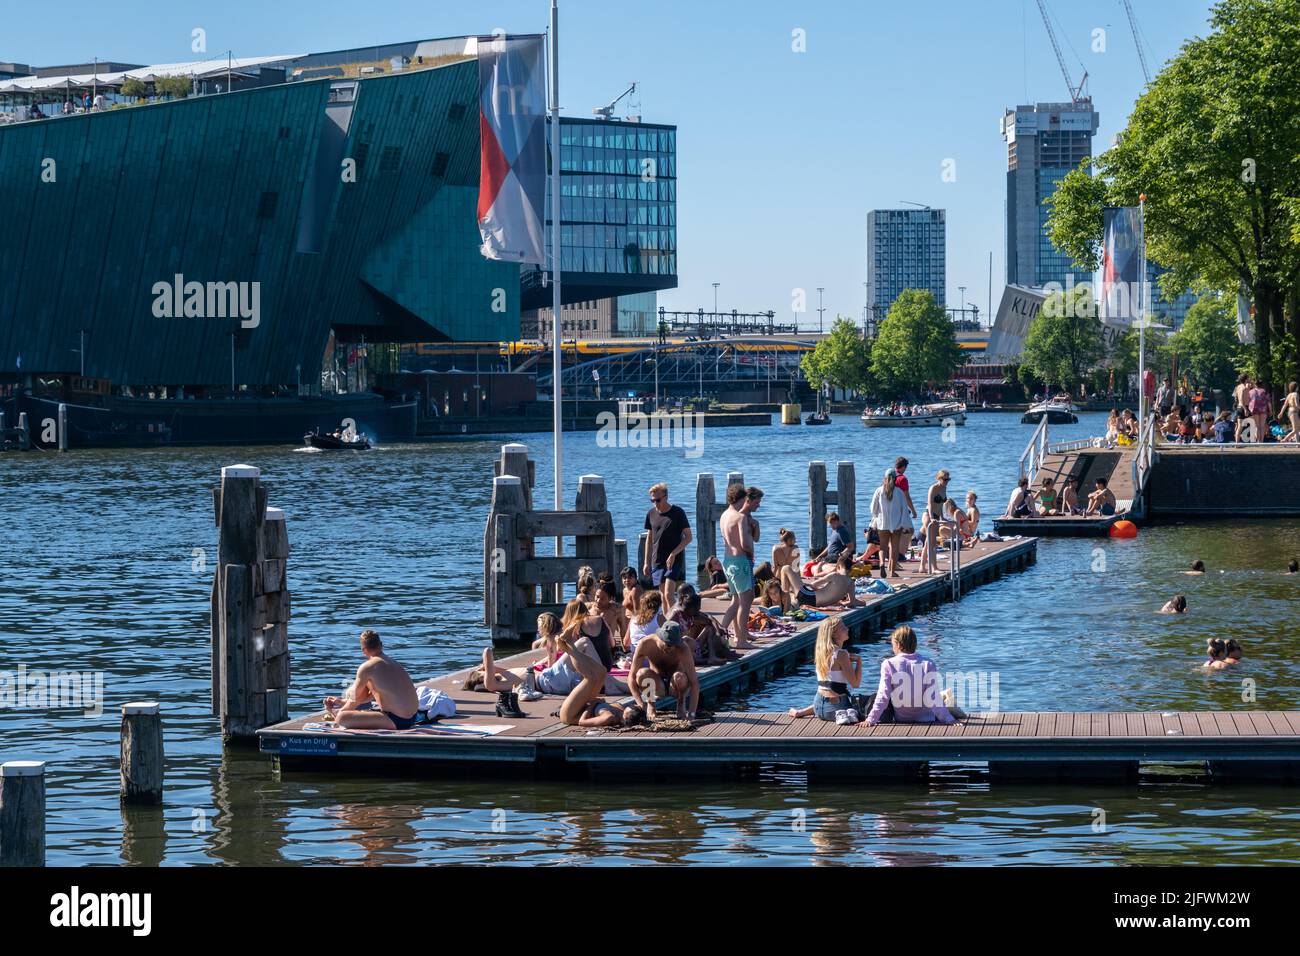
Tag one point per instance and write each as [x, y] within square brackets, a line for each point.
[875, 586]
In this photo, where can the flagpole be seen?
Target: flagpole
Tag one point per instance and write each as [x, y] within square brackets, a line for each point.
[1142, 311]
[557, 260]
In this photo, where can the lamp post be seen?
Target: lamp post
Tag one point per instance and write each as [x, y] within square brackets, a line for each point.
[820, 317]
[715, 298]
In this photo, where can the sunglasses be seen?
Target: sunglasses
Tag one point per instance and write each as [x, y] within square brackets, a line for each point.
[656, 501]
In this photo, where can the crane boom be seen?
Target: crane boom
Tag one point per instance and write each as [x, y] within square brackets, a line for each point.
[1076, 92]
[1137, 40]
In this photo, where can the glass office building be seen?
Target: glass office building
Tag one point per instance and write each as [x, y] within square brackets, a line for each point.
[906, 249]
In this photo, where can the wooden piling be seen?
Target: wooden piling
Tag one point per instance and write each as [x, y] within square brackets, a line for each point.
[597, 550]
[504, 515]
[250, 607]
[63, 427]
[705, 532]
[846, 499]
[816, 507]
[142, 753]
[24, 433]
[22, 813]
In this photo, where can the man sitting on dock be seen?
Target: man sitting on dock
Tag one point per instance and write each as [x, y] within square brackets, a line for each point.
[1021, 504]
[1101, 502]
[837, 540]
[832, 586]
[382, 683]
[661, 665]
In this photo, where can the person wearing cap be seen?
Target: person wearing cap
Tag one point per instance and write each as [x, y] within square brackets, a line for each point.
[663, 664]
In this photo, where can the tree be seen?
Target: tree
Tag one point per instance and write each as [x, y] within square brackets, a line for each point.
[916, 345]
[842, 359]
[177, 86]
[134, 88]
[1214, 145]
[1064, 340]
[1207, 342]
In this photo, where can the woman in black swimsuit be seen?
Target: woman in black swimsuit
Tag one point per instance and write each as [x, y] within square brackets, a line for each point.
[937, 495]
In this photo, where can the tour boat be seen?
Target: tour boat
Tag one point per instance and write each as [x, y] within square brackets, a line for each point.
[937, 415]
[1059, 411]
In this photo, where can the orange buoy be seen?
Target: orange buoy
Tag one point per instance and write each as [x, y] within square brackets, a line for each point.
[1123, 529]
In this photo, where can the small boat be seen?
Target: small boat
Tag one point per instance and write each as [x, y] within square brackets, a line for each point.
[330, 443]
[937, 415]
[817, 418]
[1059, 411]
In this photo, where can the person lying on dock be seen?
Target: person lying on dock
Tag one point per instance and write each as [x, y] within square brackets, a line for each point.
[909, 685]
[381, 683]
[708, 645]
[1175, 605]
[774, 598]
[830, 587]
[1021, 505]
[662, 665]
[837, 671]
[1101, 501]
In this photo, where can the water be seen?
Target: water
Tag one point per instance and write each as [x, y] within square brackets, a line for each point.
[102, 568]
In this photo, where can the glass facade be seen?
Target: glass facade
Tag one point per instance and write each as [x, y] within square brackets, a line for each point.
[906, 249]
[619, 195]
[1053, 264]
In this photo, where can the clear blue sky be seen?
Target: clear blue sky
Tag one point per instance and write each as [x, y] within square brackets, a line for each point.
[780, 154]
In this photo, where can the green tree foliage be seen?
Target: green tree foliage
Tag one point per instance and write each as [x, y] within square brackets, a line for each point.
[136, 89]
[1207, 343]
[1214, 144]
[1064, 341]
[842, 359]
[174, 86]
[916, 345]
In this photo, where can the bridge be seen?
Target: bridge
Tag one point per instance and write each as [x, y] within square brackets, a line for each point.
[692, 367]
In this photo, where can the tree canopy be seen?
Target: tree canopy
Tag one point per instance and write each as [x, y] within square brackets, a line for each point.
[1214, 145]
[842, 359]
[1064, 340]
[1206, 345]
[916, 345]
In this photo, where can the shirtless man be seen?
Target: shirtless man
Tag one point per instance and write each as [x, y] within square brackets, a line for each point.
[738, 563]
[1101, 501]
[383, 682]
[664, 662]
[835, 585]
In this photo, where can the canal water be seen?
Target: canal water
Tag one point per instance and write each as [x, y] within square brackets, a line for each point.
[105, 564]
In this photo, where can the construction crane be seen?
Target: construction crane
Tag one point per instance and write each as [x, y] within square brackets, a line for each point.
[607, 111]
[1077, 93]
[1137, 40]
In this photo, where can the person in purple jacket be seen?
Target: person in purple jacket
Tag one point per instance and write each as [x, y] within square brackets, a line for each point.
[910, 683]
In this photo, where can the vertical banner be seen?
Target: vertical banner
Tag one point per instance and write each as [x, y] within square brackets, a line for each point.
[1119, 283]
[512, 134]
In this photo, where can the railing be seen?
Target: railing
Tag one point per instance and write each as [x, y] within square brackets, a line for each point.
[1144, 458]
[954, 562]
[1075, 444]
[1032, 457]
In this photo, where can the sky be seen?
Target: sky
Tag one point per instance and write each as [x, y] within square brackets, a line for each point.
[781, 152]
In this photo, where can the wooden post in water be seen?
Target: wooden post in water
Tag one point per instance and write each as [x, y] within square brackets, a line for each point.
[620, 562]
[63, 427]
[846, 499]
[817, 505]
[597, 550]
[24, 433]
[142, 753]
[250, 607]
[22, 813]
[705, 532]
[504, 515]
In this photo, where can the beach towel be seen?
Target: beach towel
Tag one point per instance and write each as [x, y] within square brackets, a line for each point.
[875, 586]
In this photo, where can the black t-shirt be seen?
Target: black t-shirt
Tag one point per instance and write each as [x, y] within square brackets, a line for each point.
[665, 533]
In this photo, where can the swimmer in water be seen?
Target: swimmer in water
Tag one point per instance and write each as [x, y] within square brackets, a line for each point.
[1233, 650]
[1198, 567]
[1293, 567]
[1217, 653]
[1175, 605]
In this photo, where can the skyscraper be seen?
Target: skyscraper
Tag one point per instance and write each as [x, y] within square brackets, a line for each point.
[906, 249]
[1044, 142]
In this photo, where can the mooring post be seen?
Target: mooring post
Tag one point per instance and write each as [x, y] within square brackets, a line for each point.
[846, 499]
[505, 597]
[816, 507]
[598, 547]
[24, 433]
[22, 813]
[272, 609]
[620, 562]
[142, 753]
[63, 427]
[705, 531]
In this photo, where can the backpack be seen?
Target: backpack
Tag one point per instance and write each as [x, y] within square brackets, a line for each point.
[1259, 402]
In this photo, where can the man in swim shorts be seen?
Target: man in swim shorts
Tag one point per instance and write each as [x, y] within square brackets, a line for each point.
[663, 664]
[382, 683]
[738, 559]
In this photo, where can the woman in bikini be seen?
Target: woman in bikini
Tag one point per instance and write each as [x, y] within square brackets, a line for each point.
[935, 498]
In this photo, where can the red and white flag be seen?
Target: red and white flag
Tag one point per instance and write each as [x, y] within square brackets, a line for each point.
[512, 134]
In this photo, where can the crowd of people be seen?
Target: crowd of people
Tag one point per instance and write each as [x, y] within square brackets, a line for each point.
[1251, 419]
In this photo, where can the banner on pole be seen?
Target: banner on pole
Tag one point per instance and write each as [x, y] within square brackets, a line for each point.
[1119, 282]
[512, 135]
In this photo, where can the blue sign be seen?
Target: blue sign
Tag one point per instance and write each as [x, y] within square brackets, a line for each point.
[309, 745]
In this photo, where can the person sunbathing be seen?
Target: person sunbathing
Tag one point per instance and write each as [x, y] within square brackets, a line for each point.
[708, 646]
[1101, 501]
[383, 696]
[831, 587]
[584, 707]
[632, 591]
[717, 579]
